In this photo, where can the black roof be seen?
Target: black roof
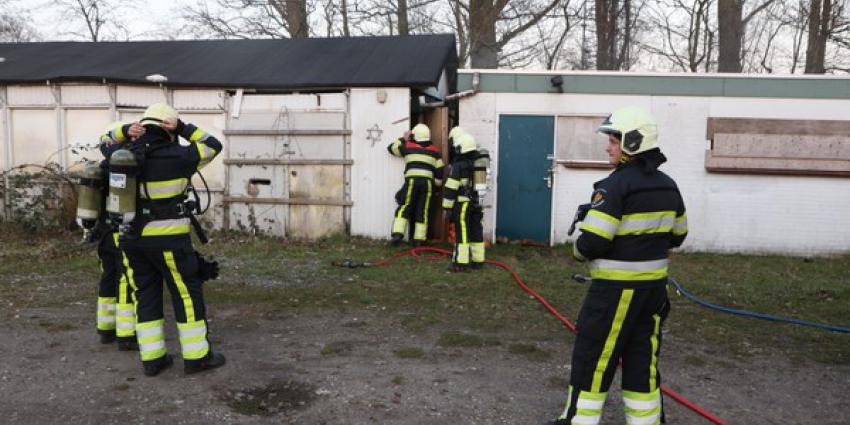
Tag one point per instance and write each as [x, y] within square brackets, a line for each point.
[316, 63]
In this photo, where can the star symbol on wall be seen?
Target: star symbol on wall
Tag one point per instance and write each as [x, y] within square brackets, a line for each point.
[374, 134]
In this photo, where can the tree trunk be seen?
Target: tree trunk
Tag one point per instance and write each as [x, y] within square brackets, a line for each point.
[403, 27]
[606, 34]
[296, 18]
[730, 32]
[484, 50]
[820, 12]
[346, 32]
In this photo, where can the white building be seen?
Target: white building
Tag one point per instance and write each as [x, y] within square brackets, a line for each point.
[763, 162]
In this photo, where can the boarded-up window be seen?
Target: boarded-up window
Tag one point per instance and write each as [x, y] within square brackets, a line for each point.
[769, 146]
[578, 144]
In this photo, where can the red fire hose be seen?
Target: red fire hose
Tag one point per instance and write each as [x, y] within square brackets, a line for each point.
[416, 252]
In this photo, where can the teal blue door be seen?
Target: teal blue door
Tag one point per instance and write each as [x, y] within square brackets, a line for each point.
[524, 203]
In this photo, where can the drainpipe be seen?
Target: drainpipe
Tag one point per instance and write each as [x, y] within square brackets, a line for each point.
[476, 82]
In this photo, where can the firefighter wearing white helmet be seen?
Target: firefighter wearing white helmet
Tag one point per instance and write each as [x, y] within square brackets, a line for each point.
[116, 316]
[462, 202]
[158, 243]
[422, 172]
[635, 216]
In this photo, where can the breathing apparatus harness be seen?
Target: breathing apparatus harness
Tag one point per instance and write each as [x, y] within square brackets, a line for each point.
[145, 210]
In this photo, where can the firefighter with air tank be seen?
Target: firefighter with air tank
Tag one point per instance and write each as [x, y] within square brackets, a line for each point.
[116, 319]
[464, 191]
[149, 185]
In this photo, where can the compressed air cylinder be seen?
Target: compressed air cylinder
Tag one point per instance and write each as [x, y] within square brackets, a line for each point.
[479, 171]
[89, 198]
[121, 203]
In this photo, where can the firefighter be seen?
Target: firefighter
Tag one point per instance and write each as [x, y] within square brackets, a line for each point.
[636, 216]
[116, 318]
[158, 244]
[423, 170]
[462, 203]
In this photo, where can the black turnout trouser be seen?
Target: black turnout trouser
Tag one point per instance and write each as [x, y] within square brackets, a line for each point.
[177, 266]
[618, 324]
[469, 233]
[115, 306]
[414, 202]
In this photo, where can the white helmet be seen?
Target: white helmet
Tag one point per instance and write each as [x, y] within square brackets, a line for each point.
[157, 113]
[635, 128]
[465, 143]
[421, 133]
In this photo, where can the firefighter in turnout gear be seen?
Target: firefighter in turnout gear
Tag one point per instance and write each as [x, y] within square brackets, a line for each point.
[636, 216]
[422, 172]
[462, 201]
[158, 243]
[116, 318]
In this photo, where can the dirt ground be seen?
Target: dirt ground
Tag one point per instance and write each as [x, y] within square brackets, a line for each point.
[330, 367]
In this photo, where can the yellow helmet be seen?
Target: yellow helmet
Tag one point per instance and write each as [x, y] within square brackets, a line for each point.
[634, 126]
[157, 113]
[421, 133]
[456, 131]
[465, 143]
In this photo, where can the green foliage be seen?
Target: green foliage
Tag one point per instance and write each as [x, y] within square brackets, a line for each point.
[39, 198]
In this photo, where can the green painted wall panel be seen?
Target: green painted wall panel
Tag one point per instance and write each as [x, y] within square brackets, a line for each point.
[662, 86]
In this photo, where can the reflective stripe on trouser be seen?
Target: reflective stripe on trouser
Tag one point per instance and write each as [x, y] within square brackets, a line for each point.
[642, 408]
[414, 201]
[467, 217]
[125, 320]
[126, 311]
[617, 324]
[588, 407]
[105, 313]
[178, 268]
[628, 270]
[151, 337]
[193, 340]
[477, 250]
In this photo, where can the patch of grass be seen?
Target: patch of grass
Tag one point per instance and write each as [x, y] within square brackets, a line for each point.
[465, 340]
[398, 380]
[121, 387]
[337, 348]
[530, 351]
[410, 353]
[558, 382]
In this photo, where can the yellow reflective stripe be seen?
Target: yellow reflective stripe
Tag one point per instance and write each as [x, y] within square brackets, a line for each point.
[478, 251]
[415, 157]
[577, 254]
[427, 208]
[106, 313]
[117, 134]
[197, 136]
[681, 226]
[645, 223]
[394, 147]
[653, 363]
[448, 203]
[151, 338]
[462, 253]
[452, 184]
[589, 407]
[642, 408]
[611, 340]
[178, 226]
[440, 163]
[628, 270]
[163, 189]
[181, 287]
[463, 234]
[599, 223]
[463, 198]
[418, 172]
[193, 339]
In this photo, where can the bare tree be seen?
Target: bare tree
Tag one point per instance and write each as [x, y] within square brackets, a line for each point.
[250, 18]
[16, 29]
[731, 29]
[516, 17]
[616, 27]
[94, 20]
[686, 35]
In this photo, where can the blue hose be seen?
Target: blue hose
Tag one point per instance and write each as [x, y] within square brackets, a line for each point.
[762, 316]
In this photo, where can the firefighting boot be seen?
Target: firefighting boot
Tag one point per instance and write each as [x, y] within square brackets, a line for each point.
[155, 368]
[128, 344]
[211, 361]
[397, 239]
[106, 337]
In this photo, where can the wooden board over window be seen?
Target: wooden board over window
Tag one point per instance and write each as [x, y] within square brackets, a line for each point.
[770, 146]
[578, 144]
